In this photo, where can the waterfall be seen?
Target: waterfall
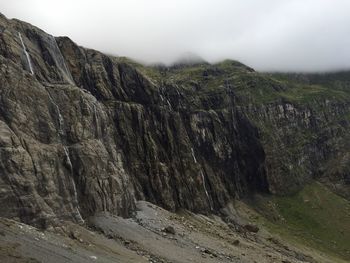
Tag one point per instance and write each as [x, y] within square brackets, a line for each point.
[203, 179]
[60, 118]
[60, 61]
[205, 189]
[27, 54]
[194, 157]
[169, 104]
[67, 158]
[77, 214]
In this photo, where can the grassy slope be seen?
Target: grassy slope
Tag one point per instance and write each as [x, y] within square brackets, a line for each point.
[314, 217]
[253, 87]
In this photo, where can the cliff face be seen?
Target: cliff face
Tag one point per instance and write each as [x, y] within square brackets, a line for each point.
[87, 133]
[301, 140]
[82, 132]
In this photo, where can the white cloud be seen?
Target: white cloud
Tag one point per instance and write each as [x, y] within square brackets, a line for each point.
[266, 34]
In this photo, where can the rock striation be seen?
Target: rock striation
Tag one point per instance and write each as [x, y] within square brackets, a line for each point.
[82, 132]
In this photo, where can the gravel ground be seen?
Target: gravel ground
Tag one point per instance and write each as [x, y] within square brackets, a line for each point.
[152, 235]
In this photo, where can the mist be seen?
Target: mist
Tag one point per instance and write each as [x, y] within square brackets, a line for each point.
[268, 35]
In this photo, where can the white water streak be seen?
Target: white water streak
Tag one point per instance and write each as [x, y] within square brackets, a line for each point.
[27, 54]
[205, 189]
[77, 214]
[63, 62]
[60, 118]
[169, 104]
[67, 157]
[75, 194]
[203, 179]
[193, 156]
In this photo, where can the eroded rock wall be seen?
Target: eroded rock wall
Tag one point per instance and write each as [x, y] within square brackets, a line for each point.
[86, 133]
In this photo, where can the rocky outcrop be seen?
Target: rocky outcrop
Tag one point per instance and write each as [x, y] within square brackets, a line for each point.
[82, 132]
[87, 133]
[300, 140]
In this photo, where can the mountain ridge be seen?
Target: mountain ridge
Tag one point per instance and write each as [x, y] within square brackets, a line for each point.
[83, 133]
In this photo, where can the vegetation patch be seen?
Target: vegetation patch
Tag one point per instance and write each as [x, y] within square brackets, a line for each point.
[315, 217]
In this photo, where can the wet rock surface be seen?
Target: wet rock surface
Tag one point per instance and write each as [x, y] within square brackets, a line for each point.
[85, 136]
[87, 133]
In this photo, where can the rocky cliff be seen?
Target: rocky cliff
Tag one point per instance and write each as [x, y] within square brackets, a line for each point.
[82, 132]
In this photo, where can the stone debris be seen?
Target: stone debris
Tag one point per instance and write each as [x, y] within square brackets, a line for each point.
[169, 230]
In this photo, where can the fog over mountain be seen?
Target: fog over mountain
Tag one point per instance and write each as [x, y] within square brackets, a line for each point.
[295, 35]
[104, 159]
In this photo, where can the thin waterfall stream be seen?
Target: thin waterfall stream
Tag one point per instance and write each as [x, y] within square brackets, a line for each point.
[26, 54]
[77, 214]
[203, 178]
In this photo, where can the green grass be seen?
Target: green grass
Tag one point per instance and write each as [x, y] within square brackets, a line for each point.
[309, 93]
[252, 87]
[315, 217]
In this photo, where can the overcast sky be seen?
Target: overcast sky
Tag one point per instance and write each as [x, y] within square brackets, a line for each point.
[285, 35]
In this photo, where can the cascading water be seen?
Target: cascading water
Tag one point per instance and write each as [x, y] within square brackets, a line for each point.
[68, 158]
[205, 189]
[60, 118]
[203, 179]
[26, 54]
[76, 212]
[193, 156]
[169, 104]
[60, 61]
